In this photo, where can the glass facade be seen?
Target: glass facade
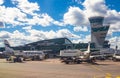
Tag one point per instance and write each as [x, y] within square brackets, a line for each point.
[98, 29]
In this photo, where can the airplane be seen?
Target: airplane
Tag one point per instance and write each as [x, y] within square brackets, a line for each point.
[78, 56]
[33, 55]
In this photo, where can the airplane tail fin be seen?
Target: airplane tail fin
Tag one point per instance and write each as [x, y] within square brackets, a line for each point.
[6, 43]
[87, 53]
[8, 47]
[88, 49]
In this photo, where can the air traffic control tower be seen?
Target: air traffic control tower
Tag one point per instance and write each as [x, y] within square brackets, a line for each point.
[98, 31]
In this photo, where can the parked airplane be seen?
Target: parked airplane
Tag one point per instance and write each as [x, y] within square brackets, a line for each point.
[33, 55]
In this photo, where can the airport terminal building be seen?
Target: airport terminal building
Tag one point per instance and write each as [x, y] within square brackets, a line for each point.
[53, 46]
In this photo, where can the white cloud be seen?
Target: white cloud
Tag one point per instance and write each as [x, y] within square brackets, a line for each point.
[11, 15]
[115, 41]
[94, 8]
[79, 17]
[52, 34]
[20, 38]
[1, 2]
[66, 33]
[43, 20]
[4, 34]
[86, 39]
[25, 14]
[15, 38]
[59, 23]
[36, 34]
[29, 8]
[80, 28]
[113, 17]
[17, 35]
[75, 16]
[26, 6]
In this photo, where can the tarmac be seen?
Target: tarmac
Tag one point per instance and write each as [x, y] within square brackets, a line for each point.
[53, 68]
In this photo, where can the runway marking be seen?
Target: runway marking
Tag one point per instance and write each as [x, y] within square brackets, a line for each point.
[106, 75]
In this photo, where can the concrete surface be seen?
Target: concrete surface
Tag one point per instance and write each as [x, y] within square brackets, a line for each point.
[53, 68]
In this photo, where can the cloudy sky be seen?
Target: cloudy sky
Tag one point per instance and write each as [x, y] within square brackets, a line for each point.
[28, 21]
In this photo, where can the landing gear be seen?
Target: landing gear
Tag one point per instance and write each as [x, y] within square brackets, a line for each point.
[92, 60]
[114, 59]
[71, 60]
[14, 59]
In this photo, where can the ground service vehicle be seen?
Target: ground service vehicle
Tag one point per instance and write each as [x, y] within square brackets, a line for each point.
[76, 56]
[33, 55]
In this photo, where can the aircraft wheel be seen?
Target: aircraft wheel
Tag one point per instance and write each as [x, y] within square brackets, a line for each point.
[90, 61]
[7, 59]
[93, 60]
[20, 59]
[33, 58]
[14, 60]
[78, 62]
[67, 62]
[114, 59]
[24, 59]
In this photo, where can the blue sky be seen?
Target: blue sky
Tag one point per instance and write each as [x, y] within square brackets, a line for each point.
[32, 20]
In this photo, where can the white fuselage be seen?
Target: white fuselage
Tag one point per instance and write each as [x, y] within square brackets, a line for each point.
[28, 54]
